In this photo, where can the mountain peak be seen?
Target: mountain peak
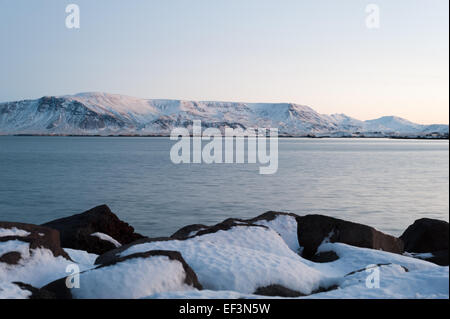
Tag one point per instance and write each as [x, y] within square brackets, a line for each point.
[106, 113]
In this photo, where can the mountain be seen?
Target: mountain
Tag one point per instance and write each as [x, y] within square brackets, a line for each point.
[106, 114]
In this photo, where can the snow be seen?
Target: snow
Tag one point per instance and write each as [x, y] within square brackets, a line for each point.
[129, 115]
[37, 267]
[14, 245]
[422, 280]
[11, 291]
[353, 258]
[395, 283]
[286, 226]
[81, 257]
[231, 264]
[392, 123]
[13, 232]
[202, 294]
[243, 259]
[108, 238]
[133, 278]
[419, 255]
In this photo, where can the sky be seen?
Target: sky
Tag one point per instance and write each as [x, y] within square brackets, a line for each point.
[318, 53]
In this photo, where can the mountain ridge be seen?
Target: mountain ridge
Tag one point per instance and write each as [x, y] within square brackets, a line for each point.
[97, 113]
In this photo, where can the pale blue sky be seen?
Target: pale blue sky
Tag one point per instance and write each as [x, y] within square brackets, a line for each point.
[317, 53]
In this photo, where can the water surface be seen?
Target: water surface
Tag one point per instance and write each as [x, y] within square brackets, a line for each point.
[380, 182]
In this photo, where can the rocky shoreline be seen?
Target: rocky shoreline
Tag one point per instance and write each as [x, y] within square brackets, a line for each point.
[275, 254]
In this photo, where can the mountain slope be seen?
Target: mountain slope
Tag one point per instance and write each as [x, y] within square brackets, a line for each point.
[102, 113]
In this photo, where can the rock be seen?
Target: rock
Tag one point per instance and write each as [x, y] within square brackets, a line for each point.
[188, 231]
[277, 291]
[181, 234]
[191, 278]
[76, 230]
[226, 225]
[99, 284]
[36, 293]
[324, 257]
[199, 229]
[439, 257]
[36, 236]
[269, 216]
[11, 258]
[113, 254]
[312, 230]
[281, 291]
[426, 235]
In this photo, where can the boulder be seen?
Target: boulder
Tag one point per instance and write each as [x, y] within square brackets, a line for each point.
[188, 231]
[439, 257]
[11, 258]
[35, 236]
[76, 231]
[226, 225]
[324, 257]
[36, 293]
[194, 230]
[135, 276]
[312, 230]
[182, 234]
[277, 291]
[426, 235]
[269, 216]
[281, 291]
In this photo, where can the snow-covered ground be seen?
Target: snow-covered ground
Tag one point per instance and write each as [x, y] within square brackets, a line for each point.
[231, 263]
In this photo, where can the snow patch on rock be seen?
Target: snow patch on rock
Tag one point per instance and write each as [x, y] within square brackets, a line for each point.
[133, 278]
[13, 232]
[108, 238]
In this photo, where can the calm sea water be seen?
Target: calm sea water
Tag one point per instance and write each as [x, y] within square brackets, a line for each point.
[384, 183]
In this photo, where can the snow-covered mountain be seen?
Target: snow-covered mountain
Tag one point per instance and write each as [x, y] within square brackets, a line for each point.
[105, 114]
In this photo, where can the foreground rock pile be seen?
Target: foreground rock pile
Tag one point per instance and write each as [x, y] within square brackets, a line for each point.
[274, 254]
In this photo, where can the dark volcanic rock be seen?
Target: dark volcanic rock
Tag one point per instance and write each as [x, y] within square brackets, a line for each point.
[186, 231]
[439, 257]
[313, 229]
[112, 255]
[324, 257]
[199, 229]
[76, 230]
[38, 237]
[270, 215]
[277, 291]
[281, 291]
[226, 225]
[426, 235]
[11, 258]
[58, 289]
[37, 293]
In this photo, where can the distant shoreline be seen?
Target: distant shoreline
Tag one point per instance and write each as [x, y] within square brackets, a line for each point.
[281, 136]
